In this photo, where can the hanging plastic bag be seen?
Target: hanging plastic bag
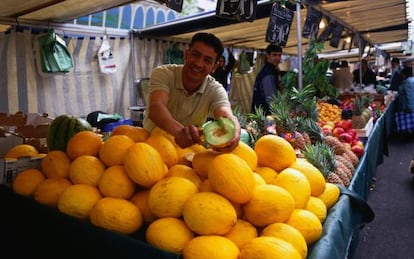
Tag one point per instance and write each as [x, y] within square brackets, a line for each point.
[54, 54]
[106, 60]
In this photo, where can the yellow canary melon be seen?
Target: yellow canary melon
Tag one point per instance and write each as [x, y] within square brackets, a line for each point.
[330, 195]
[267, 247]
[247, 154]
[317, 207]
[168, 234]
[232, 177]
[78, 200]
[267, 173]
[140, 199]
[115, 214]
[114, 149]
[275, 152]
[206, 186]
[21, 151]
[314, 176]
[86, 169]
[157, 131]
[202, 161]
[26, 182]
[209, 247]
[184, 154]
[258, 179]
[165, 148]
[296, 184]
[288, 233]
[242, 232]
[168, 195]
[49, 191]
[137, 134]
[269, 204]
[186, 172]
[144, 165]
[84, 143]
[208, 213]
[307, 223]
[56, 164]
[115, 183]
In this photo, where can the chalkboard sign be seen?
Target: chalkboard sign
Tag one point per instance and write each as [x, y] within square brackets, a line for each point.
[325, 33]
[176, 5]
[336, 35]
[280, 21]
[239, 10]
[311, 26]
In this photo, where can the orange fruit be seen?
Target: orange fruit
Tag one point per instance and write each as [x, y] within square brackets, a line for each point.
[84, 143]
[86, 169]
[275, 152]
[27, 181]
[56, 164]
[115, 214]
[211, 246]
[49, 191]
[168, 234]
[21, 150]
[78, 200]
[115, 183]
[114, 149]
[137, 134]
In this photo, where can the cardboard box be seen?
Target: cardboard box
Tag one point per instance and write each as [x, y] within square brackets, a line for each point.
[362, 133]
[11, 167]
[7, 142]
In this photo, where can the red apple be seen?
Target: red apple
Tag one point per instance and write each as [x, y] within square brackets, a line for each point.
[358, 143]
[353, 133]
[337, 131]
[327, 131]
[345, 138]
[346, 124]
[358, 150]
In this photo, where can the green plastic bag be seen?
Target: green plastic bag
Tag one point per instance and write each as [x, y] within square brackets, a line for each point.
[54, 54]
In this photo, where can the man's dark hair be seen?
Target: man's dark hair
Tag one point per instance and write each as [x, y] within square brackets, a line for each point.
[210, 40]
[407, 71]
[395, 60]
[273, 48]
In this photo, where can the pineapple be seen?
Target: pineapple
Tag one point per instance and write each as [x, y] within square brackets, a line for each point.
[312, 129]
[345, 174]
[256, 124]
[346, 162]
[351, 157]
[358, 120]
[323, 157]
[334, 143]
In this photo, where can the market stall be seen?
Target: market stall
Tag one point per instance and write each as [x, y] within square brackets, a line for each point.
[42, 230]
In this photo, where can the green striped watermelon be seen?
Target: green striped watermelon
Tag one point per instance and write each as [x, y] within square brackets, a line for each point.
[62, 128]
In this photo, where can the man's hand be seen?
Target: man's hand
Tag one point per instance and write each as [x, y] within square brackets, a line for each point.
[188, 136]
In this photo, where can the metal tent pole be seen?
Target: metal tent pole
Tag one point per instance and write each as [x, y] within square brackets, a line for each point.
[299, 42]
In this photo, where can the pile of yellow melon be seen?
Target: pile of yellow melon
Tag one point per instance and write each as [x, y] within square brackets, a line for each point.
[195, 202]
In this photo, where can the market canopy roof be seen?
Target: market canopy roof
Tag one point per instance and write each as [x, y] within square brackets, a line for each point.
[378, 21]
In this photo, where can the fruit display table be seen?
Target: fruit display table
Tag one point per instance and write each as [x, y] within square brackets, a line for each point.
[41, 231]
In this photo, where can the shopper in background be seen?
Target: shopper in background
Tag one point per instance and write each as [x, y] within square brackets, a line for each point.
[267, 81]
[221, 73]
[368, 76]
[406, 91]
[396, 77]
[342, 77]
[182, 97]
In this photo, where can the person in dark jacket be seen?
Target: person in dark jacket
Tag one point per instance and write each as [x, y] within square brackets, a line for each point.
[368, 76]
[267, 81]
[396, 77]
[223, 70]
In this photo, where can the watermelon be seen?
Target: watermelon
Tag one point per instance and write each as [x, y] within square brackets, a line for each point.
[62, 128]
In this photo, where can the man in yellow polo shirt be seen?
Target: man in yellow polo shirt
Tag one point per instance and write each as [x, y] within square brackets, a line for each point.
[182, 97]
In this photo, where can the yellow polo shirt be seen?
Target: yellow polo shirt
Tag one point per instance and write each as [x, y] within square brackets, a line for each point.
[188, 109]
